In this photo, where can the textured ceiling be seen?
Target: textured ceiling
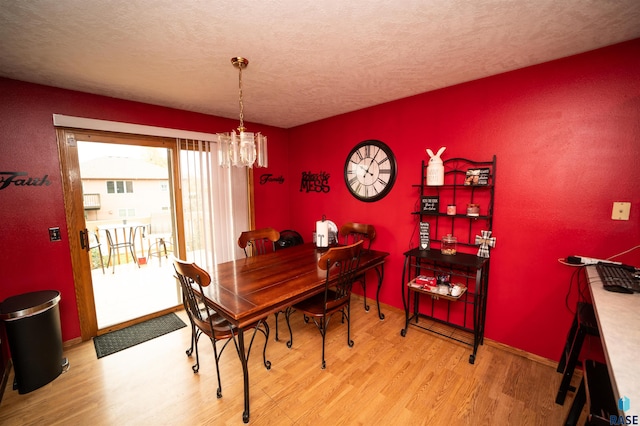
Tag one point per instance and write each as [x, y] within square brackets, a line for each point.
[308, 60]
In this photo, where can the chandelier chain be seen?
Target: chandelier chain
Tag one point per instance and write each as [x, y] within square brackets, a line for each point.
[241, 128]
[246, 149]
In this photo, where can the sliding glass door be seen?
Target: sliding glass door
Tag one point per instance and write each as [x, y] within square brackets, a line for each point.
[129, 214]
[133, 201]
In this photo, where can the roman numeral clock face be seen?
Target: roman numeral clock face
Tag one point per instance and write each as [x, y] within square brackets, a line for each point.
[370, 170]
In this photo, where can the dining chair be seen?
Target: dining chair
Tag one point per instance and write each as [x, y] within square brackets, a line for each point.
[205, 320]
[258, 241]
[352, 232]
[289, 238]
[159, 236]
[341, 265]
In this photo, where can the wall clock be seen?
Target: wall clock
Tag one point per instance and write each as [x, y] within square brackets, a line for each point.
[370, 170]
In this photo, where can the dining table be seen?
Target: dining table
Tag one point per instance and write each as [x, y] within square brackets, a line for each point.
[247, 290]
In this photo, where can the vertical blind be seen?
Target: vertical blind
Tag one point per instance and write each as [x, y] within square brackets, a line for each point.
[215, 204]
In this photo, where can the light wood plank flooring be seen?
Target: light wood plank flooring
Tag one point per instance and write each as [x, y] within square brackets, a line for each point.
[384, 379]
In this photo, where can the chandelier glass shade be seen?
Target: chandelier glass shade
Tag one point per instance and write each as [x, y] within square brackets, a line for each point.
[242, 148]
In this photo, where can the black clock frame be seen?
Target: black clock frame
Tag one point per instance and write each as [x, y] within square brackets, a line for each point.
[393, 164]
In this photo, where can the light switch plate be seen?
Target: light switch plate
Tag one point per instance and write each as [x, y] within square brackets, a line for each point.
[620, 210]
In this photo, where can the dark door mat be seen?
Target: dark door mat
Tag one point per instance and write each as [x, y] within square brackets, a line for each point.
[118, 340]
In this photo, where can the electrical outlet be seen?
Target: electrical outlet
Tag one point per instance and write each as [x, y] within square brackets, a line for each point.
[620, 210]
[54, 234]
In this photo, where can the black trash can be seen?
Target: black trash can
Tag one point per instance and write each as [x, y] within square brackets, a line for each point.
[32, 322]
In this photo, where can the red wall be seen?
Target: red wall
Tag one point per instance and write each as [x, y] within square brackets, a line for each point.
[567, 139]
[28, 260]
[566, 135]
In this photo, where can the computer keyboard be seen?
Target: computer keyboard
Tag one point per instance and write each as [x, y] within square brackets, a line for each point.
[618, 278]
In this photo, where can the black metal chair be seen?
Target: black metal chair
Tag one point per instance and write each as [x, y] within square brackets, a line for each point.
[596, 391]
[205, 320]
[289, 238]
[341, 265]
[584, 323]
[352, 232]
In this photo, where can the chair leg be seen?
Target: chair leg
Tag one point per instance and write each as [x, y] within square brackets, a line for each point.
[164, 246]
[567, 346]
[161, 243]
[217, 357]
[189, 351]
[323, 331]
[363, 282]
[196, 367]
[576, 406]
[109, 261]
[101, 260]
[276, 317]
[565, 384]
[133, 255]
[349, 341]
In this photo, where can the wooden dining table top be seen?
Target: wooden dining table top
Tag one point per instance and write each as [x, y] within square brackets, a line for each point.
[249, 289]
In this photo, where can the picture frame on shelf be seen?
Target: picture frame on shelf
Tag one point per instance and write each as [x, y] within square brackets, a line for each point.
[477, 177]
[429, 204]
[425, 236]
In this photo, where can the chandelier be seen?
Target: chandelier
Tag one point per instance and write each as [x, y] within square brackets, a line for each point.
[242, 149]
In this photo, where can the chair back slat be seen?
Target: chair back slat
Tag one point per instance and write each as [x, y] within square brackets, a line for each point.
[190, 274]
[258, 241]
[343, 261]
[353, 232]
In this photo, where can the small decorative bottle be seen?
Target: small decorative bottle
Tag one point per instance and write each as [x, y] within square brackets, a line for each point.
[448, 244]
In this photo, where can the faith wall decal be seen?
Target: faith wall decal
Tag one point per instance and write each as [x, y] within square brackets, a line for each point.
[22, 179]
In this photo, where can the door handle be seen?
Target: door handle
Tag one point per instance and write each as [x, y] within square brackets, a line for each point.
[84, 239]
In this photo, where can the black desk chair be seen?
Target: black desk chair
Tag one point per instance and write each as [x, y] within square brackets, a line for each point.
[205, 320]
[352, 232]
[289, 238]
[584, 323]
[337, 294]
[595, 390]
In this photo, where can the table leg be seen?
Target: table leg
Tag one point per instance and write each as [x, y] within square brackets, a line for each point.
[245, 372]
[380, 271]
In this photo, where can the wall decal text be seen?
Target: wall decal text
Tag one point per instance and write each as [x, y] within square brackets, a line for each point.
[268, 177]
[22, 179]
[315, 182]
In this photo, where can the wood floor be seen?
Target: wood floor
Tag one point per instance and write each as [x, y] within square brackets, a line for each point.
[383, 379]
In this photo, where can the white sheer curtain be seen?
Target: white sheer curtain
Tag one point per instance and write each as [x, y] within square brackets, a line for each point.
[215, 204]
